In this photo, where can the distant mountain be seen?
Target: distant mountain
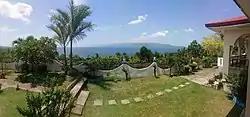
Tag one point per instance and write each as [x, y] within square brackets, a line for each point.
[129, 48]
[4, 48]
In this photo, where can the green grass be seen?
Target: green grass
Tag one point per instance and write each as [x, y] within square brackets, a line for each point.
[9, 99]
[190, 101]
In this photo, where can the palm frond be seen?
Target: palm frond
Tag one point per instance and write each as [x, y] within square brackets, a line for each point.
[81, 12]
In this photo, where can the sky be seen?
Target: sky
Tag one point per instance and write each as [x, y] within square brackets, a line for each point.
[175, 22]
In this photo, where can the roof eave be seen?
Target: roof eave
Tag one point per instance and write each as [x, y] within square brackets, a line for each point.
[236, 2]
[244, 21]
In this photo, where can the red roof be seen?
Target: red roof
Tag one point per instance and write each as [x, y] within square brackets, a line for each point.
[227, 22]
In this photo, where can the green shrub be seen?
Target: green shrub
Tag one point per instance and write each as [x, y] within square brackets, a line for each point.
[238, 84]
[24, 68]
[44, 79]
[207, 62]
[187, 70]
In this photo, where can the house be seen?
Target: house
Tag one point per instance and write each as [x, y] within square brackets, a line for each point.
[236, 36]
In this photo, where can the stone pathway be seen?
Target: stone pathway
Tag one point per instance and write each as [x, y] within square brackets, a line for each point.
[159, 93]
[150, 96]
[112, 102]
[201, 77]
[138, 99]
[125, 101]
[175, 88]
[99, 102]
[168, 90]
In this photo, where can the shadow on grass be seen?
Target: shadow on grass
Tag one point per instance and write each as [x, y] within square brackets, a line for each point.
[100, 81]
[235, 111]
[42, 79]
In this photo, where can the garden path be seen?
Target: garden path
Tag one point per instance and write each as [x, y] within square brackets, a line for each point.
[99, 102]
[201, 77]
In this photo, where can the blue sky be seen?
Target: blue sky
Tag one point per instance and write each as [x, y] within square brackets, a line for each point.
[175, 22]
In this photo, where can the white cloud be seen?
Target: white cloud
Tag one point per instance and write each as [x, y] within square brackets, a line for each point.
[6, 29]
[77, 2]
[19, 10]
[159, 34]
[189, 30]
[154, 35]
[138, 20]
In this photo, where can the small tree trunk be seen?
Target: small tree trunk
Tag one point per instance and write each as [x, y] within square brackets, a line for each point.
[71, 52]
[65, 60]
[170, 71]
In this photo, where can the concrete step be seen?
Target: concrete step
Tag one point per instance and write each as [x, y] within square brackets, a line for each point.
[74, 91]
[80, 102]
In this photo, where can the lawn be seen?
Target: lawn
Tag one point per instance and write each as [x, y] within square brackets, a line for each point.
[190, 101]
[9, 99]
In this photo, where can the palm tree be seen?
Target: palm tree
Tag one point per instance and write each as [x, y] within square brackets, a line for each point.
[74, 20]
[62, 34]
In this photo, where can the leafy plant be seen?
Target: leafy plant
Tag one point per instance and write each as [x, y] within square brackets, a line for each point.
[207, 62]
[238, 84]
[52, 102]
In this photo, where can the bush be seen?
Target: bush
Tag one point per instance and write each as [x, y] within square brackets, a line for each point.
[24, 68]
[187, 70]
[238, 84]
[41, 68]
[207, 62]
[44, 79]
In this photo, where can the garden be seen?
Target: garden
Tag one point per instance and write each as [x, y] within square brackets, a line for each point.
[163, 95]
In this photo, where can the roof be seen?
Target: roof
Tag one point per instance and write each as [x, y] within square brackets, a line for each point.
[228, 22]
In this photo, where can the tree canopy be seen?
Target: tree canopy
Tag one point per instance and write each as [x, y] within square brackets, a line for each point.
[195, 49]
[213, 45]
[34, 51]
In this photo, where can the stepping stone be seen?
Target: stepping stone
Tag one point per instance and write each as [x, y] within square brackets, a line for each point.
[159, 93]
[181, 85]
[168, 90]
[98, 103]
[78, 109]
[138, 99]
[150, 96]
[187, 83]
[112, 102]
[125, 101]
[175, 88]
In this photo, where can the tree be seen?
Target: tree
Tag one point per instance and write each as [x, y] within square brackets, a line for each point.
[195, 49]
[61, 30]
[74, 20]
[213, 45]
[52, 102]
[35, 52]
[145, 54]
[157, 54]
